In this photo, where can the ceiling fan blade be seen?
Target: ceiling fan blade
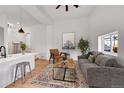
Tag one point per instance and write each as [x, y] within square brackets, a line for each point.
[76, 6]
[66, 7]
[58, 6]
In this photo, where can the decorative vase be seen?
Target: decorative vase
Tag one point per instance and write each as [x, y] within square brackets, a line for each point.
[23, 52]
[115, 49]
[82, 52]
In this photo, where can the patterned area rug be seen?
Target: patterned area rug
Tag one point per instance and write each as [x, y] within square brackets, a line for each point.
[45, 79]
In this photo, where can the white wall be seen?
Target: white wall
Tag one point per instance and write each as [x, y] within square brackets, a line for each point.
[38, 36]
[3, 23]
[15, 37]
[38, 39]
[9, 36]
[107, 19]
[49, 39]
[1, 36]
[54, 33]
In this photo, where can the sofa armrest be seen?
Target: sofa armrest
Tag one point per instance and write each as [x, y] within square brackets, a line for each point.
[117, 77]
[105, 77]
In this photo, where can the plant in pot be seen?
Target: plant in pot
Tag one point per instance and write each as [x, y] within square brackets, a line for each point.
[23, 47]
[83, 45]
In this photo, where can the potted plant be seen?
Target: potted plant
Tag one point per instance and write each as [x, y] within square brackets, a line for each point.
[83, 45]
[23, 47]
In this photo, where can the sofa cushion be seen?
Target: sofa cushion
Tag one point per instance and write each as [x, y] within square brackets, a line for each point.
[81, 61]
[105, 60]
[96, 53]
[86, 66]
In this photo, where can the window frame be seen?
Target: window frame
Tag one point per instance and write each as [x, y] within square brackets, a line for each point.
[101, 43]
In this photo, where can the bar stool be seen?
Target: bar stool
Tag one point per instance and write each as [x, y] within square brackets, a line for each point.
[27, 64]
[22, 67]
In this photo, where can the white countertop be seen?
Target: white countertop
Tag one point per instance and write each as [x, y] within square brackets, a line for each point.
[8, 65]
[15, 56]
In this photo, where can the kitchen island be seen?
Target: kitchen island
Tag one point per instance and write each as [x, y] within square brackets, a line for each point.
[8, 65]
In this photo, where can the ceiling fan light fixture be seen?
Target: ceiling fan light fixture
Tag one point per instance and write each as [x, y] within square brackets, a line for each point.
[58, 6]
[66, 7]
[76, 6]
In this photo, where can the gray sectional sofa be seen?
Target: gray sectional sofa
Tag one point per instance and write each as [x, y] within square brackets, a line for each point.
[103, 72]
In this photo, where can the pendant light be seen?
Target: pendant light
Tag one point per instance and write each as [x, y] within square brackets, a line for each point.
[21, 30]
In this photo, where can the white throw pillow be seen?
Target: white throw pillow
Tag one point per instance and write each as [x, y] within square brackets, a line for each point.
[91, 58]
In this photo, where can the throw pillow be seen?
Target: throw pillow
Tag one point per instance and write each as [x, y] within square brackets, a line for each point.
[88, 54]
[91, 58]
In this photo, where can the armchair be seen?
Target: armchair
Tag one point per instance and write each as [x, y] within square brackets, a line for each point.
[57, 56]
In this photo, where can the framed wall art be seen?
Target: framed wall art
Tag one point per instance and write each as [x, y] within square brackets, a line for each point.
[68, 40]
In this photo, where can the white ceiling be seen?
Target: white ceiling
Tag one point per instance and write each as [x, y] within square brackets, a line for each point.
[61, 14]
[43, 14]
[17, 14]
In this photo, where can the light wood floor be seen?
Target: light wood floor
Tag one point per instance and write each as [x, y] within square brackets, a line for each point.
[39, 66]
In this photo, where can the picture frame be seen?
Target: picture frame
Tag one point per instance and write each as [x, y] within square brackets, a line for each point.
[68, 40]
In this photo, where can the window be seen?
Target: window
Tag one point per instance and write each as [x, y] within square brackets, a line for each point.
[27, 39]
[108, 43]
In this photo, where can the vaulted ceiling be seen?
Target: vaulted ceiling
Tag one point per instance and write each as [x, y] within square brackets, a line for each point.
[17, 14]
[61, 14]
[43, 14]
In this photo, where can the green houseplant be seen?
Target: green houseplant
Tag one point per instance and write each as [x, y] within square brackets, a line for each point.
[83, 45]
[23, 47]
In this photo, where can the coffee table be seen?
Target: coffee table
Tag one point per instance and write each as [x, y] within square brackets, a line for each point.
[65, 70]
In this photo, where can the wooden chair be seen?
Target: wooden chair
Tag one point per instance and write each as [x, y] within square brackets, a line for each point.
[56, 55]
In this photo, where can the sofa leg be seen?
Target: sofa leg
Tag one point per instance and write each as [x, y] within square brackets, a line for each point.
[93, 87]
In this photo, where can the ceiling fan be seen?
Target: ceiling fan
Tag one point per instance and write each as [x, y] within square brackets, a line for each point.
[66, 7]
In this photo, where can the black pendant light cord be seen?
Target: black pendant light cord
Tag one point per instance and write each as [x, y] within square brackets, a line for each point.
[21, 30]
